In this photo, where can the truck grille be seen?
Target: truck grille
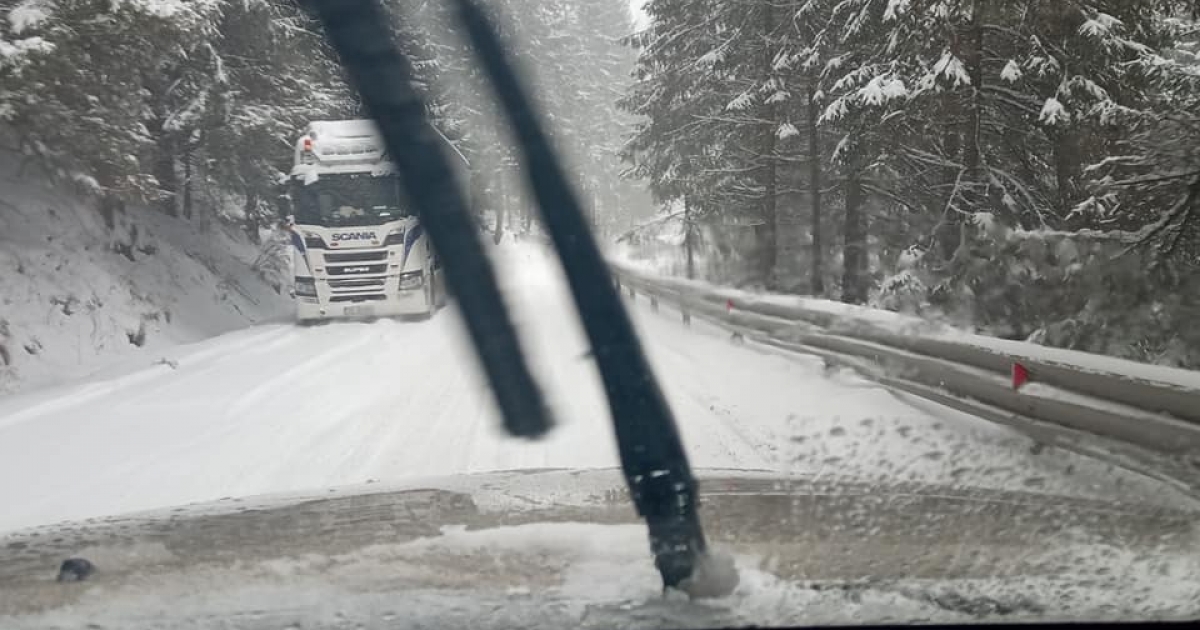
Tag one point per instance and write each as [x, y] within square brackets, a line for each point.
[351, 257]
[357, 284]
[357, 276]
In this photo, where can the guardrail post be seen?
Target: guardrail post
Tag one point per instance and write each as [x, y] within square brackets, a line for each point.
[654, 303]
[632, 294]
[687, 317]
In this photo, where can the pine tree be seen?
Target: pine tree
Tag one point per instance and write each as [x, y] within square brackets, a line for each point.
[947, 136]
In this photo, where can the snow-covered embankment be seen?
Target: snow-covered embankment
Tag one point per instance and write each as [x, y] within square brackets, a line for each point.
[75, 293]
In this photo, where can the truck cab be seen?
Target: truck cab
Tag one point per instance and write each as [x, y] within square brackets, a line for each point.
[359, 249]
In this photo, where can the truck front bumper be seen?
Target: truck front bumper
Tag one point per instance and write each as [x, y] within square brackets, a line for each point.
[411, 302]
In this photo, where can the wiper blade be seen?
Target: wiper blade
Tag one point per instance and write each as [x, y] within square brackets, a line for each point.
[653, 460]
[358, 31]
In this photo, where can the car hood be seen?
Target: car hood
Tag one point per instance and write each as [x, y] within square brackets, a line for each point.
[555, 549]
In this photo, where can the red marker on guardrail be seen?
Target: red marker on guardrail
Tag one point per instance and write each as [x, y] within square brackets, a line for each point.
[1020, 375]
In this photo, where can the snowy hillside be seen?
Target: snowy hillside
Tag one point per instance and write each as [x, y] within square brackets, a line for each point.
[74, 293]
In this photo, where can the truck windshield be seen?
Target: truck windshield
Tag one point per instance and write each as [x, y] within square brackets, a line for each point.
[348, 199]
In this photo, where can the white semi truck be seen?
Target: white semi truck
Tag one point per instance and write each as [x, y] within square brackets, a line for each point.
[359, 250]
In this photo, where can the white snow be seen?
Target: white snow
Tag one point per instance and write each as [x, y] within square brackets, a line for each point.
[778, 97]
[358, 129]
[985, 221]
[910, 257]
[1043, 65]
[1053, 112]
[29, 14]
[952, 69]
[170, 9]
[907, 324]
[1099, 26]
[69, 301]
[712, 57]
[740, 102]
[882, 89]
[278, 408]
[895, 8]
[23, 46]
[834, 111]
[1011, 71]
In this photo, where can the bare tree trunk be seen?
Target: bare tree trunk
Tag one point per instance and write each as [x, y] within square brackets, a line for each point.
[969, 46]
[110, 205]
[770, 215]
[597, 228]
[972, 154]
[250, 209]
[501, 208]
[972, 157]
[770, 189]
[588, 199]
[854, 250]
[952, 141]
[816, 267]
[1066, 169]
[688, 244]
[164, 172]
[477, 190]
[187, 183]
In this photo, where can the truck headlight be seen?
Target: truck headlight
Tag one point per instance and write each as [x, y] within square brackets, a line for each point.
[411, 280]
[306, 287]
[313, 241]
[395, 237]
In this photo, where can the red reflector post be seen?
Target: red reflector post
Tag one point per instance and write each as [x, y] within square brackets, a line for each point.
[1020, 375]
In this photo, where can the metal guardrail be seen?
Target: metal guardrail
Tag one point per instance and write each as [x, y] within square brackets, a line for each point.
[1161, 417]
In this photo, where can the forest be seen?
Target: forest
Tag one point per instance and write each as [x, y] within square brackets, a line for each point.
[193, 105]
[1028, 168]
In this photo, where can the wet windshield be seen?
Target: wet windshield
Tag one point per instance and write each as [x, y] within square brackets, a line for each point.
[336, 200]
[703, 313]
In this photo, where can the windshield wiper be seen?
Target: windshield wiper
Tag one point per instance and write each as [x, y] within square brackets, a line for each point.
[653, 460]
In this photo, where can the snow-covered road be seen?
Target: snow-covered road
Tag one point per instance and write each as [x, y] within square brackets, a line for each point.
[280, 408]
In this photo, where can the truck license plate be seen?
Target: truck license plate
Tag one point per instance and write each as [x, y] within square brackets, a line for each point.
[364, 310]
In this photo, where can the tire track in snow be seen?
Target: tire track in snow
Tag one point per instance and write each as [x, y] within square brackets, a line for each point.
[68, 397]
[746, 444]
[216, 370]
[325, 422]
[393, 421]
[313, 364]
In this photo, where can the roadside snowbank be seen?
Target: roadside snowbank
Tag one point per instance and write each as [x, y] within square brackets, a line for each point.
[849, 316]
[75, 294]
